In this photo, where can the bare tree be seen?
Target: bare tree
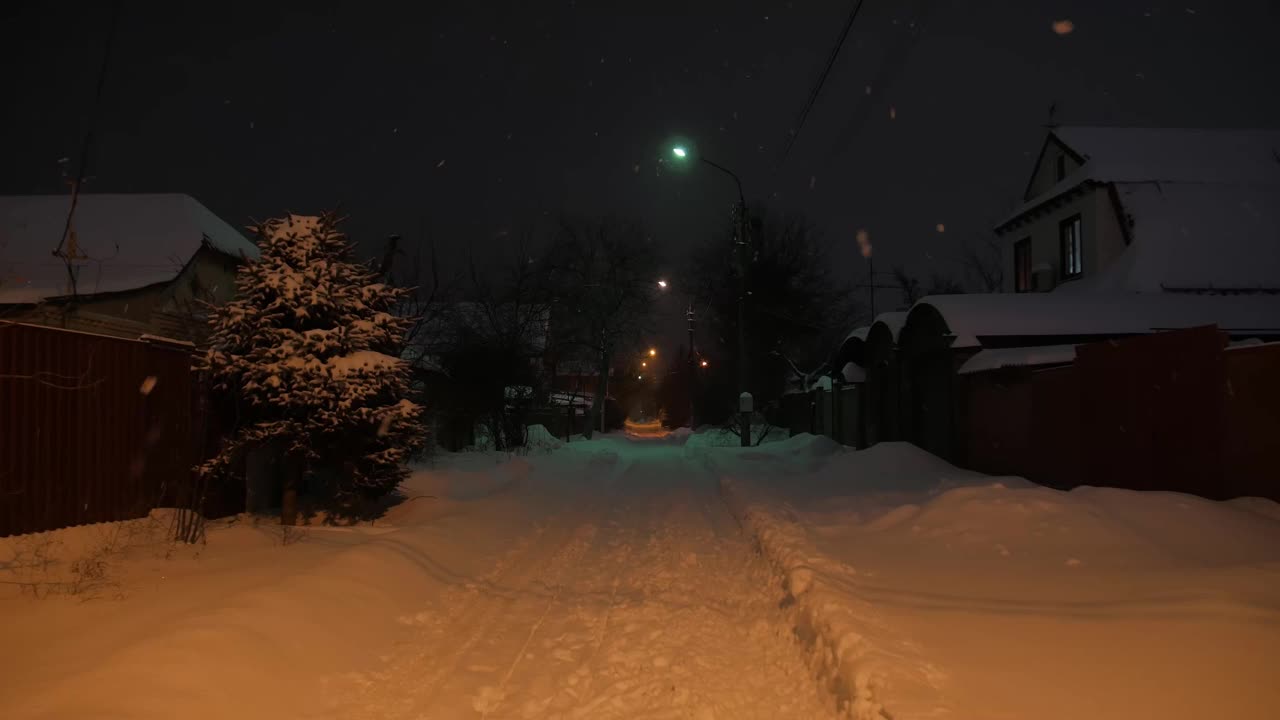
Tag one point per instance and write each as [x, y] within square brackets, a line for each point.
[983, 264]
[603, 275]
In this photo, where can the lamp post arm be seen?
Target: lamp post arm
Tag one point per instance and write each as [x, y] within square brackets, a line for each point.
[741, 198]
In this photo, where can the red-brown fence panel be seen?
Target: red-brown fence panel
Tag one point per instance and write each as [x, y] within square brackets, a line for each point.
[92, 428]
[1151, 409]
[1251, 421]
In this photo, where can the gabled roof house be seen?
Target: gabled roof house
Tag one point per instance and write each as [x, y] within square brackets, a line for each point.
[131, 265]
[1127, 209]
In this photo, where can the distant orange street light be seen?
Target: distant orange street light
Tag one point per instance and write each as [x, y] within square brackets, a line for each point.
[704, 363]
[653, 352]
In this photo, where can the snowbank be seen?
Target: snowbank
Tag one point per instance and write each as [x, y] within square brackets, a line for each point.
[926, 589]
[258, 621]
[539, 439]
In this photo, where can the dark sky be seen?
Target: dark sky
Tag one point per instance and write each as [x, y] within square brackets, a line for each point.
[463, 120]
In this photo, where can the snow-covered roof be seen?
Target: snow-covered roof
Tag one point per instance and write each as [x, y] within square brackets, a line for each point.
[997, 358]
[858, 333]
[130, 242]
[969, 318]
[1138, 154]
[852, 373]
[1194, 236]
[893, 322]
[1164, 156]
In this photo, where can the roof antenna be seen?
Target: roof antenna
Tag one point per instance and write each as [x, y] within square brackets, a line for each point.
[1053, 111]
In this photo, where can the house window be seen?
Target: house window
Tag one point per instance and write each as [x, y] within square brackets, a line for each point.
[1062, 166]
[1022, 265]
[1069, 243]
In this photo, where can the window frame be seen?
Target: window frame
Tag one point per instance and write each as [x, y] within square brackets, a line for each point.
[1065, 268]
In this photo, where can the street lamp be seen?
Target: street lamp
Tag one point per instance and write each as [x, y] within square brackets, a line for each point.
[653, 352]
[662, 284]
[682, 153]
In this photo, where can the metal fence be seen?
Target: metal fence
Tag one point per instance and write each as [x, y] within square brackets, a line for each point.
[92, 428]
[1174, 411]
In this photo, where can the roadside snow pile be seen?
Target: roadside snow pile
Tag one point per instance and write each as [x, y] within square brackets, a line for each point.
[256, 623]
[923, 588]
[540, 440]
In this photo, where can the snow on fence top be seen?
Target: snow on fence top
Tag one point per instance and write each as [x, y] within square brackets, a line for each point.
[128, 242]
[971, 317]
[997, 358]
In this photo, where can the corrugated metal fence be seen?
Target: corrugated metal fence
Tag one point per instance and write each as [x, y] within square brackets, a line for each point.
[92, 428]
[1170, 411]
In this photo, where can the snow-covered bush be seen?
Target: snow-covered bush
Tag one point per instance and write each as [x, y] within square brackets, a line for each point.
[311, 350]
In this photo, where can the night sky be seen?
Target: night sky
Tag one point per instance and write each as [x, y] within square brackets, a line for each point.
[465, 121]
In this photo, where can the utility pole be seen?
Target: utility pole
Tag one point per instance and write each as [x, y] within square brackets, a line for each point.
[745, 401]
[693, 369]
[744, 262]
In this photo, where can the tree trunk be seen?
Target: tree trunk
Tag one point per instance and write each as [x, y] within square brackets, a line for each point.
[289, 496]
[599, 404]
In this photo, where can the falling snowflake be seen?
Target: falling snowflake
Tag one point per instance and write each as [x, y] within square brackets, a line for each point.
[148, 385]
[940, 228]
[636, 168]
[440, 164]
[813, 180]
[868, 89]
[1191, 11]
[1063, 27]
[251, 126]
[893, 113]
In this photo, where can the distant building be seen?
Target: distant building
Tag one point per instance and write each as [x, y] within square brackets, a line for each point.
[131, 265]
[1123, 209]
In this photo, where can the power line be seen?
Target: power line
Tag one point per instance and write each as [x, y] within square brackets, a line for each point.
[891, 67]
[817, 86]
[88, 135]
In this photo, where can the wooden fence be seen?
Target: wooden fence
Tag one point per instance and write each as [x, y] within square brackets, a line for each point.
[93, 428]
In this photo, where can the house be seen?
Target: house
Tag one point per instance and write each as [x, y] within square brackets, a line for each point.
[1138, 336]
[131, 266]
[1127, 209]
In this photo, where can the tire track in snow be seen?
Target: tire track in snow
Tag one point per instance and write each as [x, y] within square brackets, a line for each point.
[469, 615]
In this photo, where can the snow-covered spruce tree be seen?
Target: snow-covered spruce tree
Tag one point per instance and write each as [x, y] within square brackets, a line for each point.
[310, 349]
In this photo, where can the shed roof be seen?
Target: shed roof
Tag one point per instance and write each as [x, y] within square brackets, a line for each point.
[129, 242]
[970, 318]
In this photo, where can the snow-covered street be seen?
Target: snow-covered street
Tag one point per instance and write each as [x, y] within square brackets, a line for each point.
[637, 596]
[651, 576]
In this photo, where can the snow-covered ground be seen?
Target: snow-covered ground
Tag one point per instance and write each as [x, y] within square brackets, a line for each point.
[936, 592]
[610, 579]
[603, 580]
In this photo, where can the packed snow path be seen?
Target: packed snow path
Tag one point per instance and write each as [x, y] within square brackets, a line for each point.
[637, 597]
